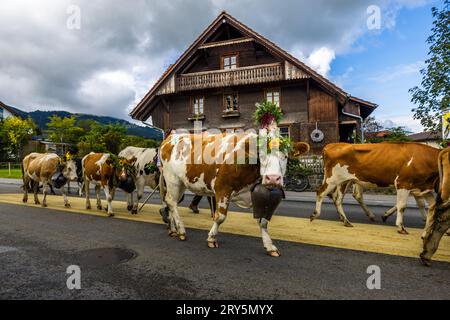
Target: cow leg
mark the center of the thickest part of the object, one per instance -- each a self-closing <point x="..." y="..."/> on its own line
<point x="421" y="204"/>
<point x="429" y="198"/>
<point x="176" y="225"/>
<point x="358" y="195"/>
<point x="35" y="185"/>
<point x="338" y="200"/>
<point x="86" y="190"/>
<point x="44" y="192"/>
<point x="97" y="195"/>
<point x="402" y="198"/>
<point x="140" y="187"/>
<point x="109" y="195"/>
<point x="389" y="213"/>
<point x="130" y="201"/>
<point x="219" y="217"/>
<point x="26" y="184"/>
<point x="267" y="241"/>
<point x="66" y="199"/>
<point x="431" y="241"/>
<point x="324" y="190"/>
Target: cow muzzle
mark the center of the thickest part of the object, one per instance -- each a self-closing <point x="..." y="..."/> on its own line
<point x="273" y="180"/>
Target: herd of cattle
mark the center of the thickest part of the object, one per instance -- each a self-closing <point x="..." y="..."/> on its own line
<point x="412" y="168"/>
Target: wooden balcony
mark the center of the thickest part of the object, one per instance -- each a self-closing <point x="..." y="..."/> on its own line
<point x="225" y="78"/>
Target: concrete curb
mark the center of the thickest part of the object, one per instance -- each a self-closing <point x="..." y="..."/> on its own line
<point x="382" y="201"/>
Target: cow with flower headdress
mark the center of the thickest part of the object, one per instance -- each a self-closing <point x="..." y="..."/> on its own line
<point x="246" y="168"/>
<point x="106" y="171"/>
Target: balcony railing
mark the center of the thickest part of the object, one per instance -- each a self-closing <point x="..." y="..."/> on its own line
<point x="225" y="78"/>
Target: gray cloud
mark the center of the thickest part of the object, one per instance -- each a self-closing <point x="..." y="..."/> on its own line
<point x="123" y="47"/>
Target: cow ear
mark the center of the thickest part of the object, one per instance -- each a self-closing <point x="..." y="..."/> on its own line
<point x="299" y="148"/>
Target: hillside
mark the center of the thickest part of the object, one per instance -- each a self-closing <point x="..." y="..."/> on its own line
<point x="41" y="119"/>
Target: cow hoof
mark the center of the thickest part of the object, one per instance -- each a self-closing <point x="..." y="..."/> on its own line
<point x="173" y="234"/>
<point x="426" y="262"/>
<point x="348" y="224"/>
<point x="274" y="253"/>
<point x="213" y="244"/>
<point x="384" y="218"/>
<point x="100" y="208"/>
<point x="129" y="208"/>
<point x="110" y="214"/>
<point x="88" y="207"/>
<point x="67" y="205"/>
<point x="105" y="208"/>
<point x="44" y="205"/>
<point x="182" y="237"/>
<point x="312" y="218"/>
<point x="134" y="211"/>
<point x="24" y="200"/>
<point x="403" y="231"/>
<point x="372" y="219"/>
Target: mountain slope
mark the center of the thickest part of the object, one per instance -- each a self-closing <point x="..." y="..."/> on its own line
<point x="41" y="119"/>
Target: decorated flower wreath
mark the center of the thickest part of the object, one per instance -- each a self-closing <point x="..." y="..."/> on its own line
<point x="266" y="114"/>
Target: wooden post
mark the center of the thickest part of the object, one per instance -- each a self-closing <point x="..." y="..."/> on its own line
<point x="9" y="169"/>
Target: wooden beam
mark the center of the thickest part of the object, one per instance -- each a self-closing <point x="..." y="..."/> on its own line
<point x="166" y="105"/>
<point x="225" y="43"/>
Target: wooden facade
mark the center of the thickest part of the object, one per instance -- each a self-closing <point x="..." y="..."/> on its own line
<point x="229" y="68"/>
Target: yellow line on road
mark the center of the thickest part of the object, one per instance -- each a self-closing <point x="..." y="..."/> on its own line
<point x="363" y="237"/>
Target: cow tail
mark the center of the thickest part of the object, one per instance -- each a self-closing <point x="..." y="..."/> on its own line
<point x="23" y="176"/>
<point x="441" y="174"/>
<point x="162" y="187"/>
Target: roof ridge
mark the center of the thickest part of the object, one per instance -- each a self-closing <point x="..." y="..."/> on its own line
<point x="325" y="82"/>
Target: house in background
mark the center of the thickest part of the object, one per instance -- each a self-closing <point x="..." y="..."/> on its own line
<point x="433" y="139"/>
<point x="8" y="111"/>
<point x="229" y="68"/>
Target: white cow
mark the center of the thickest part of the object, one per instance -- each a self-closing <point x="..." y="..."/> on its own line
<point x="144" y="157"/>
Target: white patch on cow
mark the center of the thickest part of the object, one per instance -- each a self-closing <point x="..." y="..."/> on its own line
<point x="410" y="161"/>
<point x="49" y="156"/>
<point x="199" y="186"/>
<point x="340" y="174"/>
<point x="396" y="181"/>
<point x="102" y="160"/>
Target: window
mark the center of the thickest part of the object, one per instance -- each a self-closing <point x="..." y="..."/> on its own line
<point x="197" y="105"/>
<point x="231" y="102"/>
<point x="229" y="62"/>
<point x="273" y="96"/>
<point x="1" y="113"/>
<point x="284" y="132"/>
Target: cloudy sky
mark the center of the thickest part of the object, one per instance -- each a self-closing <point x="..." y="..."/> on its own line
<point x="107" y="65"/>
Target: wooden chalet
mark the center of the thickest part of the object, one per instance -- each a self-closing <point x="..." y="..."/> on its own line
<point x="229" y="68"/>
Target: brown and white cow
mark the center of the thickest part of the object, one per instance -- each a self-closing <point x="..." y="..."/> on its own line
<point x="438" y="220"/>
<point x="100" y="169"/>
<point x="142" y="158"/>
<point x="409" y="167"/>
<point x="228" y="180"/>
<point x="358" y="195"/>
<point x="39" y="168"/>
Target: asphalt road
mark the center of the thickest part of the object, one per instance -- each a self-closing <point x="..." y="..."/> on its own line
<point x="37" y="245"/>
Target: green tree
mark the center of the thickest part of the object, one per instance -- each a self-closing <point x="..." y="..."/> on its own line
<point x="372" y="125"/>
<point x="432" y="97"/>
<point x="64" y="130"/>
<point x="102" y="138"/>
<point x="139" y="142"/>
<point x="14" y="134"/>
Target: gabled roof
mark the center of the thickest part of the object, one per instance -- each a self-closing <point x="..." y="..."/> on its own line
<point x="13" y="111"/>
<point x="139" y="111"/>
<point x="426" y="136"/>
